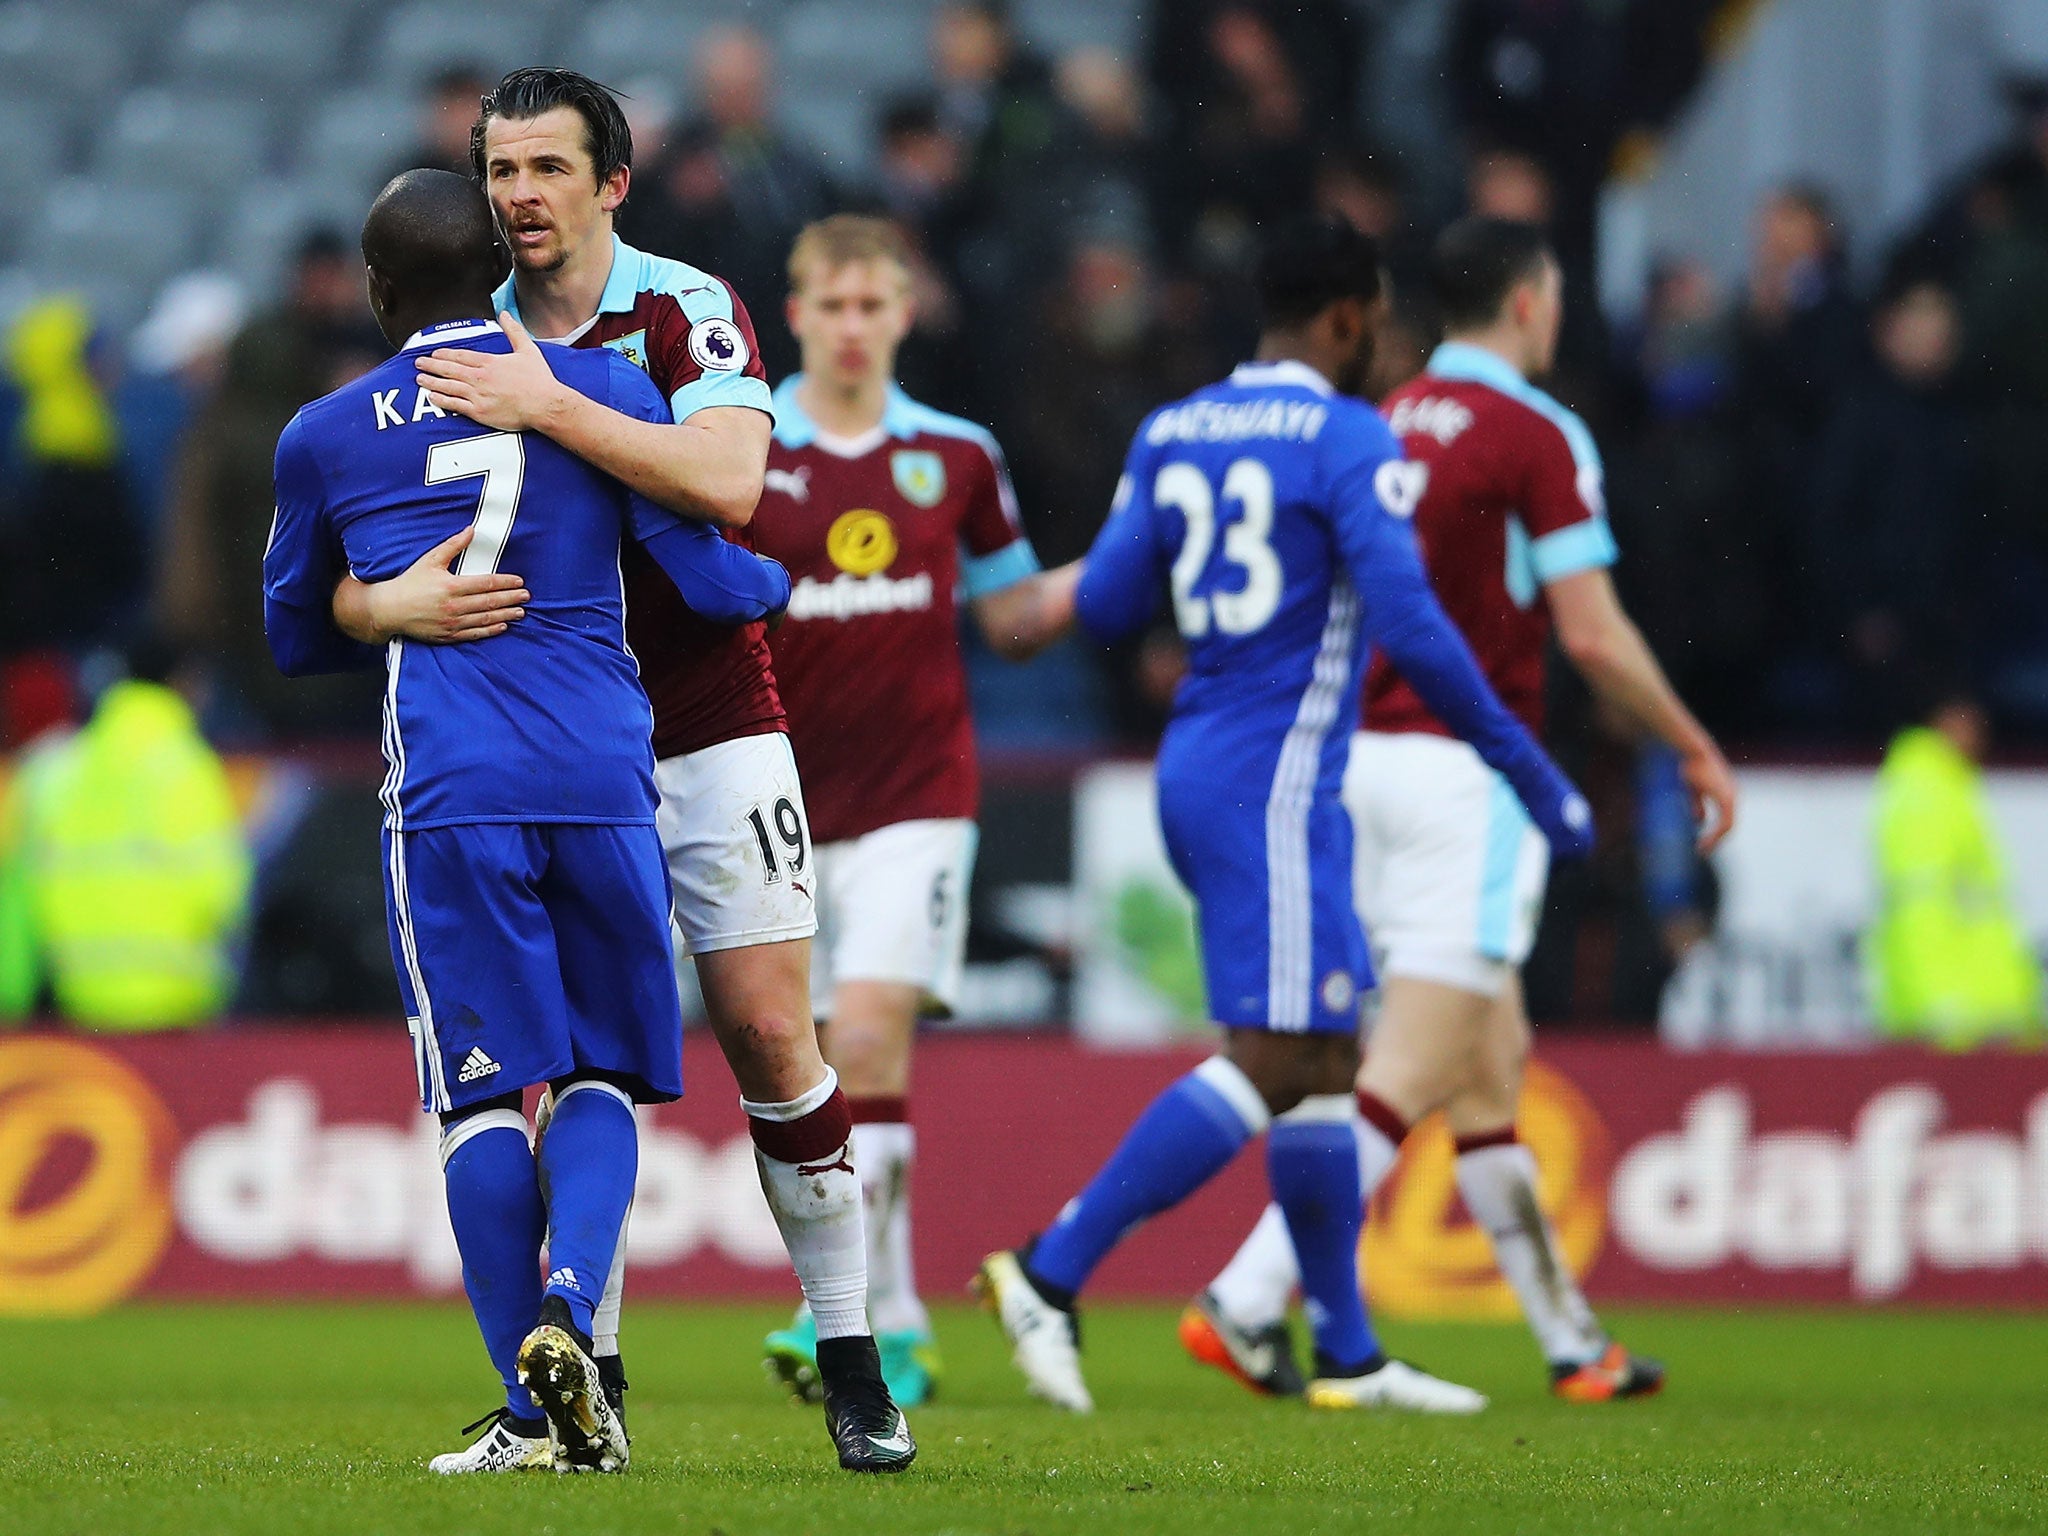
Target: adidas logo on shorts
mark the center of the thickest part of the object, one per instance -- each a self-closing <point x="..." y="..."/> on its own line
<point x="475" y="1065"/>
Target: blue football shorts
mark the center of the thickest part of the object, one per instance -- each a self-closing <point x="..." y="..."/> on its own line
<point x="529" y="951"/>
<point x="1270" y="872"/>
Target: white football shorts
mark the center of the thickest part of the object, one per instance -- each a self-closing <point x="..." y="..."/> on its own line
<point x="739" y="852"/>
<point x="892" y="906"/>
<point x="1450" y="870"/>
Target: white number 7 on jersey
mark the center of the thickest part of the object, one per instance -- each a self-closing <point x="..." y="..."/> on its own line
<point x="500" y="458"/>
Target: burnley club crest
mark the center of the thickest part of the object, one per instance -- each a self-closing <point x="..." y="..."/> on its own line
<point x="921" y="477"/>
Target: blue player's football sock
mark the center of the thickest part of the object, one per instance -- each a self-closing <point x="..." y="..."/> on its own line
<point x="1312" y="1162"/>
<point x="589" y="1159"/>
<point x="494" y="1205"/>
<point x="1182" y="1140"/>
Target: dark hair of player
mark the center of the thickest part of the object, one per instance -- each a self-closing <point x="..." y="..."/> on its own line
<point x="1478" y="262"/>
<point x="1308" y="266"/>
<point x="430" y="235"/>
<point x="527" y="93"/>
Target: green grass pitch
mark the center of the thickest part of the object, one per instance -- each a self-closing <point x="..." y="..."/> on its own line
<point x="304" y="1420"/>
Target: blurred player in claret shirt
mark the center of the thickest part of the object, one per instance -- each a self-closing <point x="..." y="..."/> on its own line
<point x="884" y="510"/>
<point x="1450" y="871"/>
<point x="553" y="151"/>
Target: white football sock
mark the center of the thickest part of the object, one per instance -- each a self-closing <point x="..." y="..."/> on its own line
<point x="816" y="1201"/>
<point x="883" y="1151"/>
<point x="604" y="1322"/>
<point x="1255" y="1285"/>
<point x="1499" y="1186"/>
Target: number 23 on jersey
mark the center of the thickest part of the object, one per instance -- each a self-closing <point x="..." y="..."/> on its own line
<point x="1247" y="547"/>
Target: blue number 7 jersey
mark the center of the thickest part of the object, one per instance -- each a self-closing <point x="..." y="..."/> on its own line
<point x="548" y="722"/>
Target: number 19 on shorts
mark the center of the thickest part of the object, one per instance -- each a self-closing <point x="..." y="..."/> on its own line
<point x="780" y="832"/>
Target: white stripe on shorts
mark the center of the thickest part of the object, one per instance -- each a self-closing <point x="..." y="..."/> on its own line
<point x="1290" y="913"/>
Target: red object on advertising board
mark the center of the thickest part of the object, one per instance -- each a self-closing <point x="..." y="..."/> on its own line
<point x="277" y="1163"/>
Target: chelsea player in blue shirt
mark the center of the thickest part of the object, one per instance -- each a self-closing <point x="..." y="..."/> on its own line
<point x="1274" y="508"/>
<point x="526" y="890"/>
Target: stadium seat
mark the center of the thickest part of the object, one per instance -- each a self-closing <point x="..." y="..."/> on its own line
<point x="420" y="39"/>
<point x="205" y="141"/>
<point x="838" y="47"/>
<point x="270" y="217"/>
<point x="1055" y="27"/>
<point x="18" y="290"/>
<point x="838" y="125"/>
<point x="355" y="138"/>
<point x="87" y="50"/>
<point x="36" y="151"/>
<point x="632" y="38"/>
<point x="2017" y="31"/>
<point x="233" y="44"/>
<point x="114" y="241"/>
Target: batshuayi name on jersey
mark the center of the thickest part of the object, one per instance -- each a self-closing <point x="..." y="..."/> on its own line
<point x="879" y="537"/>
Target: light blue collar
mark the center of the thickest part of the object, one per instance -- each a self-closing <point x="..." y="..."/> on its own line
<point x="1463" y="361"/>
<point x="795" y="429"/>
<point x="621" y="286"/>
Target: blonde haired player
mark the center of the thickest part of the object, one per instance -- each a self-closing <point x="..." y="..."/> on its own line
<point x="886" y="513"/>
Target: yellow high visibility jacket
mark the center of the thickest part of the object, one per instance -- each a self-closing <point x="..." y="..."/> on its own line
<point x="123" y="871"/>
<point x="1950" y="960"/>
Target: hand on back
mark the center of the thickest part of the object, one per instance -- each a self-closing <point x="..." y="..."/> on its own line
<point x="430" y="602"/>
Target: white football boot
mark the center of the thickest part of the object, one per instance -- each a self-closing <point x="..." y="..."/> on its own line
<point x="1043" y="1338"/>
<point x="499" y="1450"/>
<point x="1396" y="1385"/>
<point x="555" y="1366"/>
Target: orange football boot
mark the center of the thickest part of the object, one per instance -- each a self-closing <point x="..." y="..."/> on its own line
<point x="1615" y="1375"/>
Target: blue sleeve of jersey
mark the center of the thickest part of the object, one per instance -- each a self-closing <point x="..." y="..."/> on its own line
<point x="633" y="393"/>
<point x="300" y="569"/>
<point x="1371" y="499"/>
<point x="1119" y="591"/>
<point x="718" y="579"/>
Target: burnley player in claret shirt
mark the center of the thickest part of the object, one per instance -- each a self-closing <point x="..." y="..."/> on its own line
<point x="884" y="509"/>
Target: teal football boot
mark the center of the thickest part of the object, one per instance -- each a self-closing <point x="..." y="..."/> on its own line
<point x="910" y="1362"/>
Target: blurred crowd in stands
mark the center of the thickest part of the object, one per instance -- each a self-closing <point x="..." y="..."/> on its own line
<point x="1828" y="494"/>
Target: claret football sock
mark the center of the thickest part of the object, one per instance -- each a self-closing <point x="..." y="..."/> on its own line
<point x="589" y="1160"/>
<point x="804" y="1151"/>
<point x="1183" y="1139"/>
<point x="495" y="1208"/>
<point x="883" y="1145"/>
<point x="1312" y="1161"/>
<point x="1497" y="1177"/>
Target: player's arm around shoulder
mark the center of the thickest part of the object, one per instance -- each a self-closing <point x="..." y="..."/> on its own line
<point x="711" y="465"/>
